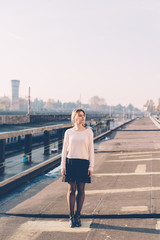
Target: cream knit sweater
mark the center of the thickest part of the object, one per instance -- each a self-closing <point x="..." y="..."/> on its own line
<point x="78" y="144"/>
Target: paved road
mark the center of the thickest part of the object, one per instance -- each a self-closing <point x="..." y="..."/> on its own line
<point x="121" y="203"/>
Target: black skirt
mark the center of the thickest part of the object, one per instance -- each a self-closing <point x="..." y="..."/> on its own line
<point x="77" y="171"/>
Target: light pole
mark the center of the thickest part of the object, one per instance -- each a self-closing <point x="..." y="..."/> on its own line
<point x="29" y="103"/>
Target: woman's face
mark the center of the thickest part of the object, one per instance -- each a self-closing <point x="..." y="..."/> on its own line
<point x="80" y="118"/>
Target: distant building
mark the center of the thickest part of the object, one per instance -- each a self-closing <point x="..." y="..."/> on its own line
<point x="15" y="94"/>
<point x="5" y="103"/>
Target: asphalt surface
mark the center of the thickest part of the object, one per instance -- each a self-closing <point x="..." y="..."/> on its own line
<point x="122" y="202"/>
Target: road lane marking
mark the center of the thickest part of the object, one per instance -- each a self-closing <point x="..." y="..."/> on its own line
<point x="123" y="190"/>
<point x="141" y="168"/>
<point x="133" y="153"/>
<point x="134" y="209"/>
<point x="157" y="146"/>
<point x="158" y="225"/>
<point x="131" y="156"/>
<point x="134" y="160"/>
<point x="125" y="174"/>
<point x="30" y="230"/>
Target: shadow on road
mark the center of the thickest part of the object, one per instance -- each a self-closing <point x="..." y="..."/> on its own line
<point x="128" y="229"/>
<point x="89" y="216"/>
<point x="97" y="225"/>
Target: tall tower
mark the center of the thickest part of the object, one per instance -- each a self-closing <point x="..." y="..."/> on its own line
<point x="15" y="94"/>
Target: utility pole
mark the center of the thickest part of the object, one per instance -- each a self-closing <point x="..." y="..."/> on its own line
<point x="123" y="113"/>
<point x="133" y="114"/>
<point x="29" y="103"/>
<point x="110" y="111"/>
<point x="80" y="103"/>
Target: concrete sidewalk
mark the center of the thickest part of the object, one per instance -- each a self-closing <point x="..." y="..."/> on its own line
<point x="121" y="203"/>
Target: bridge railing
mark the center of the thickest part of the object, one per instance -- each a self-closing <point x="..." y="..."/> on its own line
<point x="98" y="126"/>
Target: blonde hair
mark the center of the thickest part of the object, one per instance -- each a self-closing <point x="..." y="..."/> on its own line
<point x="74" y="112"/>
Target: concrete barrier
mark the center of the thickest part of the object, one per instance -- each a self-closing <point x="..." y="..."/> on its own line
<point x="20" y="119"/>
<point x="14" y="119"/>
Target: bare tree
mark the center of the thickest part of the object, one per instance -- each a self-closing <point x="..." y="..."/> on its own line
<point x="150" y="106"/>
<point x="5" y="103"/>
<point x="49" y="104"/>
<point x="158" y="107"/>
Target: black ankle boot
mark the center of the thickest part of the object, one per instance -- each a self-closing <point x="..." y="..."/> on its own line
<point x="77" y="219"/>
<point x="71" y="221"/>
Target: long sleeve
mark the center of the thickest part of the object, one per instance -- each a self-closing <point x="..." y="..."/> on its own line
<point x="64" y="150"/>
<point x="91" y="151"/>
<point x="78" y="144"/>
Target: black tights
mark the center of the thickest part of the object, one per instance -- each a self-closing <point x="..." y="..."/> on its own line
<point x="79" y="198"/>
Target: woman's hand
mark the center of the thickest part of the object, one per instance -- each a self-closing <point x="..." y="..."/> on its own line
<point x="63" y="171"/>
<point x="90" y="173"/>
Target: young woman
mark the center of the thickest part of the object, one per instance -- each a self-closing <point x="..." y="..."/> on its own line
<point x="77" y="163"/>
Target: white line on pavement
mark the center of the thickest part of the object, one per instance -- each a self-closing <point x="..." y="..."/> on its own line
<point x="157" y="145"/>
<point x="134" y="160"/>
<point x="141" y="168"/>
<point x="123" y="190"/>
<point x="133" y="153"/>
<point x="125" y="174"/>
<point x="158" y="225"/>
<point x="134" y="208"/>
<point x="131" y="156"/>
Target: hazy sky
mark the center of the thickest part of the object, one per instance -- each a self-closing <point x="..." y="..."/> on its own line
<point x="66" y="48"/>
